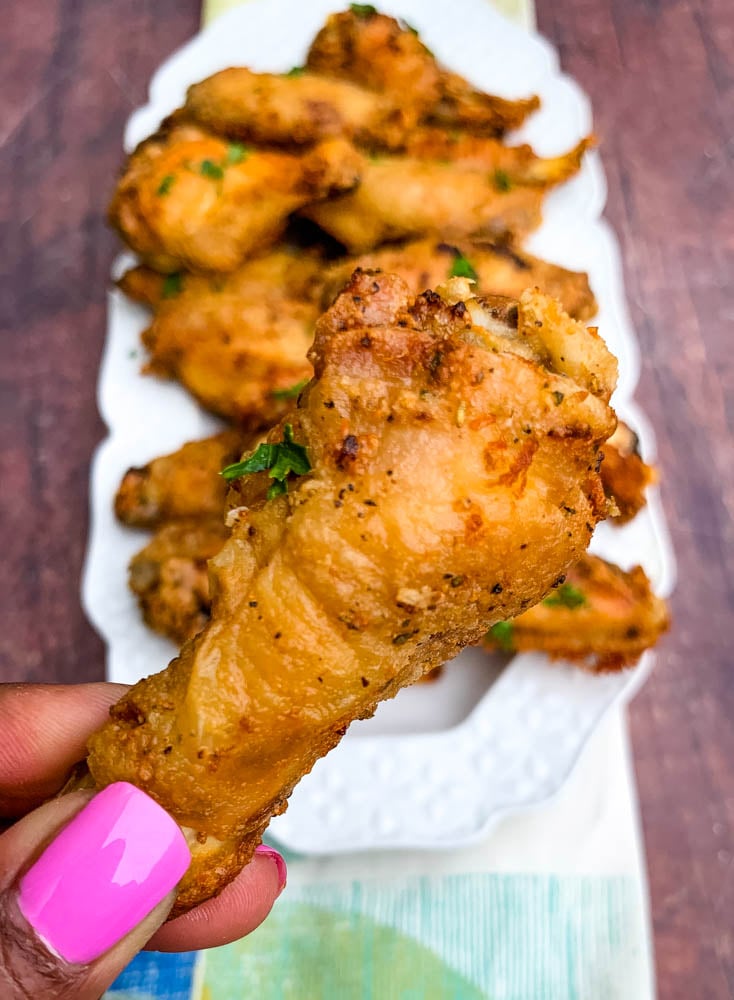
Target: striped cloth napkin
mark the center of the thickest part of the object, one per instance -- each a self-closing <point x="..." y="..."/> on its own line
<point x="551" y="906"/>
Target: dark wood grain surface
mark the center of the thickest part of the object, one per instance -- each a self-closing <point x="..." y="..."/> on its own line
<point x="661" y="76"/>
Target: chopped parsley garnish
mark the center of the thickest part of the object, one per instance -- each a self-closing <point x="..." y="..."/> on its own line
<point x="211" y="169"/>
<point x="362" y="9"/>
<point x="502" y="180"/>
<point x="558" y="398"/>
<point x="172" y="285"/>
<point x="291" y="392"/>
<point x="281" y="460"/>
<point x="461" y="268"/>
<point x="236" y="152"/>
<point x="501" y="633"/>
<point x="296" y="71"/>
<point x="165" y="185"/>
<point x="566" y="596"/>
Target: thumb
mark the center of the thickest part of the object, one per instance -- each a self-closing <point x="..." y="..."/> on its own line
<point x="84" y="882"/>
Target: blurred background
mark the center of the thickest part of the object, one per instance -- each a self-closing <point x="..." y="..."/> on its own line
<point x="661" y="80"/>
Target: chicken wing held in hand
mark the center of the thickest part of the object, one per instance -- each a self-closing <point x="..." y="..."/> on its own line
<point x="188" y="199"/>
<point x="436" y="476"/>
<point x="600" y="617"/>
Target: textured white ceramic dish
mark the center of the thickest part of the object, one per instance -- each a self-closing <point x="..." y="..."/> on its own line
<point x="441" y="763"/>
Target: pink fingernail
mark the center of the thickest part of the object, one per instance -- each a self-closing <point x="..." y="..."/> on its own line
<point x="270" y="852"/>
<point x="103" y="874"/>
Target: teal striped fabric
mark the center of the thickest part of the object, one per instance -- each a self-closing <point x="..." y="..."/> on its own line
<point x="461" y="937"/>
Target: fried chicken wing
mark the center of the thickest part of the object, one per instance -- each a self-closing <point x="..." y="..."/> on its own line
<point x="624" y="473"/>
<point x="187" y="199"/>
<point x="238" y="342"/>
<point x="400" y="197"/>
<point x="600" y="616"/>
<point x="380" y="53"/>
<point x="170" y="577"/>
<point x="183" y="485"/>
<point x="436" y="476"/>
<point x="294" y="109"/>
<point x="500" y="269"/>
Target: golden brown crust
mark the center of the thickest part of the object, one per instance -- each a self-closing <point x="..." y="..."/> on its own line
<point x="170" y="576"/>
<point x="500" y="268"/>
<point x="625" y="475"/>
<point x="187" y="199"/>
<point x="184" y="484"/>
<point x="600" y="617"/>
<point x="449" y="488"/>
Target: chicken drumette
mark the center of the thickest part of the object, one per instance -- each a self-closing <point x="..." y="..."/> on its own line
<point x="437" y="475"/>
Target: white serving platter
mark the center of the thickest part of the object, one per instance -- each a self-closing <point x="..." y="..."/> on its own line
<point x="439" y="765"/>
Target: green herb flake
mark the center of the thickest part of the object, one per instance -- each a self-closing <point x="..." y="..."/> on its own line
<point x="209" y="168"/>
<point x="281" y="460"/>
<point x="502" y="180"/>
<point x="362" y="9"/>
<point x="165" y="185"/>
<point x="291" y="392"/>
<point x="236" y="153"/>
<point x="501" y="634"/>
<point x="296" y="71"/>
<point x="172" y="285"/>
<point x="406" y="26"/>
<point x="566" y="596"/>
<point x="461" y="268"/>
<point x="558" y="398"/>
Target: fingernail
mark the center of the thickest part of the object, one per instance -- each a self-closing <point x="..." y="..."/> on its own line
<point x="270" y="852"/>
<point x="116" y="860"/>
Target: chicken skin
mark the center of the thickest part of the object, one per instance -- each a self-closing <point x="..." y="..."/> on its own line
<point x="625" y="475"/>
<point x="238" y="343"/>
<point x="381" y="54"/>
<point x="170" y="577"/>
<point x="436" y="476"/>
<point x="294" y="109"/>
<point x="183" y="485"/>
<point x="498" y="269"/>
<point x="600" y="617"/>
<point x="400" y="197"/>
<point x="188" y="199"/>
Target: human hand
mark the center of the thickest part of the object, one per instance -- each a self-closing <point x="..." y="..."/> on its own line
<point x="87" y="880"/>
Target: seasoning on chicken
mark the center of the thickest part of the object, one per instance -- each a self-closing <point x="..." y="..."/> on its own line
<point x="599" y="616"/>
<point x="436" y="476"/>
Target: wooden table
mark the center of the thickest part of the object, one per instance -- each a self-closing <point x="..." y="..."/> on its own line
<point x="662" y="81"/>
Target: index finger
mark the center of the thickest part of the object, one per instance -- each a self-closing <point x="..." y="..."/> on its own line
<point x="44" y="729"/>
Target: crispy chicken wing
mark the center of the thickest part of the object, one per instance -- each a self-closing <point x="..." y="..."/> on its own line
<point x="183" y="485"/>
<point x="294" y="109"/>
<point x="499" y="269"/>
<point x="170" y="577"/>
<point x="624" y="473"/>
<point x="187" y="199"/>
<point x="239" y="342"/>
<point x="406" y="196"/>
<point x="600" y="616"/>
<point x="380" y="53"/>
<point x="436" y="476"/>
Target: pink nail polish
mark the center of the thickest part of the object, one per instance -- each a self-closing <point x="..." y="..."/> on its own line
<point x="270" y="852"/>
<point x="103" y="874"/>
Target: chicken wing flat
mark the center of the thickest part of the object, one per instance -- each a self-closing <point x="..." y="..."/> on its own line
<point x="183" y="485"/>
<point x="170" y="577"/>
<point x="294" y="109"/>
<point x="188" y="199"/>
<point x="624" y="473"/>
<point x="387" y="56"/>
<point x="436" y="476"/>
<point x="498" y="269"/>
<point x="400" y="197"/>
<point x="600" y="616"/>
<point x="239" y="342"/>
